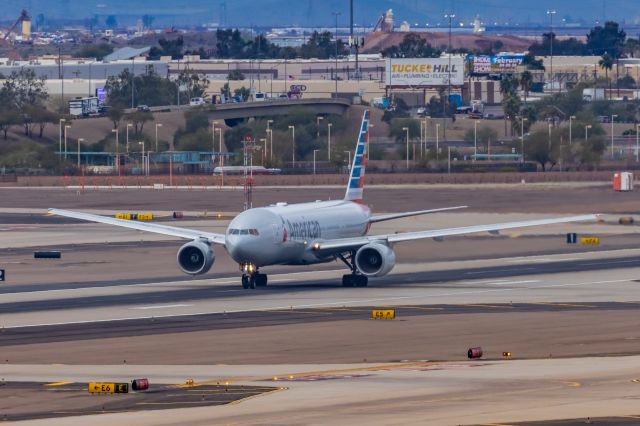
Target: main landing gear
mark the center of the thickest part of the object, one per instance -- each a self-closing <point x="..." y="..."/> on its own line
<point x="251" y="278"/>
<point x="355" y="278"/>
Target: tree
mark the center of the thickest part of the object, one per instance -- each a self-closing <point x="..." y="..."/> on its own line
<point x="41" y="116"/>
<point x="322" y="46"/>
<point x="540" y="150"/>
<point x="412" y="46"/>
<point x="483" y="136"/>
<point x="526" y="80"/>
<point x="626" y="82"/>
<point x="398" y="124"/>
<point x="138" y="119"/>
<point x="168" y="47"/>
<point x="97" y="51"/>
<point x="531" y="63"/>
<point x="235" y="75"/>
<point x="23" y="88"/>
<point x="192" y="85"/>
<point x="606" y="62"/>
<point x="115" y="114"/>
<point x="111" y="22"/>
<point x="8" y="118"/>
<point x="609" y="38"/>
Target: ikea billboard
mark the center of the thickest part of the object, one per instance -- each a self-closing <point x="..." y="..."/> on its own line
<point x="419" y="72"/>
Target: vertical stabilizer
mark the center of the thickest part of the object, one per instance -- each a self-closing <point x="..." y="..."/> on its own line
<point x="355" y="186"/>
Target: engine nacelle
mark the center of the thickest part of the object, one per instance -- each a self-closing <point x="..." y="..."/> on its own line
<point x="375" y="260"/>
<point x="196" y="257"/>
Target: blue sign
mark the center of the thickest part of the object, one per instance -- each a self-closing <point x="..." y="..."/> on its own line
<point x="101" y="94"/>
<point x="500" y="64"/>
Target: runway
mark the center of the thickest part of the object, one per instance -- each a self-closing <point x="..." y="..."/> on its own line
<point x="116" y="307"/>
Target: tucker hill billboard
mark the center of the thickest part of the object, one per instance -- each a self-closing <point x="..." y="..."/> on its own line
<point x="418" y="72"/>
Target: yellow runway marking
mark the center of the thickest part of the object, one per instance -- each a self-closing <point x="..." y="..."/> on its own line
<point x="58" y="384"/>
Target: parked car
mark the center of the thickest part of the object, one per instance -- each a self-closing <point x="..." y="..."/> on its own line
<point x="196" y="102"/>
<point x="144" y="108"/>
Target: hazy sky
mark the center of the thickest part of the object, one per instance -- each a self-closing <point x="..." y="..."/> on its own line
<point x="318" y="12"/>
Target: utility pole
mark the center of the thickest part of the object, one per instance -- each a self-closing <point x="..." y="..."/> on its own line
<point x="551" y="12"/>
<point x="335" y="73"/>
<point x="450" y="16"/>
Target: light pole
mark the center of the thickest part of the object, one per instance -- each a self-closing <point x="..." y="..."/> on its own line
<point x="264" y="152"/>
<point x="62" y="120"/>
<point x="549" y="135"/>
<point x="586" y="132"/>
<point x="314" y="160"/>
<point x="637" y="140"/>
<point x="66" y="130"/>
<point x="475" y="140"/>
<point x="522" y="120"/>
<point x="551" y="12"/>
<point x="335" y="74"/>
<point x="117" y="150"/>
<point x="213" y="139"/>
<point x="318" y="120"/>
<point x="157" y="125"/>
<point x="437" y="141"/>
<point x="79" y="140"/>
<point x="143" y="161"/>
<point x="329" y="141"/>
<point x="406" y="129"/>
<point x="349" y="163"/>
<point x="219" y="130"/>
<point x="270" y="133"/>
<point x="450" y="16"/>
<point x="612" y="118"/>
<point x="127" y="141"/>
<point x="573" y="117"/>
<point x="293" y="144"/>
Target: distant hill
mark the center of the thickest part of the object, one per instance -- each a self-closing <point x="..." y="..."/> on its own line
<point x="319" y="12"/>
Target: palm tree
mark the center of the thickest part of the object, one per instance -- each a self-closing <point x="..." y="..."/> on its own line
<point x="526" y="80"/>
<point x="606" y="62"/>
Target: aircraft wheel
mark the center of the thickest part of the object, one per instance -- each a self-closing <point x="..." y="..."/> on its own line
<point x="361" y="280"/>
<point x="252" y="281"/>
<point x="347" y="280"/>
<point x="245" y="282"/>
<point x="261" y="280"/>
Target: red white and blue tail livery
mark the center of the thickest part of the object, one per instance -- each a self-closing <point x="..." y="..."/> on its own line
<point x="356" y="178"/>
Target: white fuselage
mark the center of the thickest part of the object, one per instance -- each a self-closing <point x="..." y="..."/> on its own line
<point x="283" y="234"/>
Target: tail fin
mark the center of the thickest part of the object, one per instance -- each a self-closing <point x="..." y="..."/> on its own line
<point x="355" y="186"/>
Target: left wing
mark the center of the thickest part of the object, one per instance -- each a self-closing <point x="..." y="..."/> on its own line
<point x="174" y="231"/>
<point x="344" y="244"/>
<point x="391" y="216"/>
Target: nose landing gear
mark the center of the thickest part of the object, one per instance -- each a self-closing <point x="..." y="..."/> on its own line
<point x="251" y="278"/>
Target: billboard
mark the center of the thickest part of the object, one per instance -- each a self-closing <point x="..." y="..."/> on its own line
<point x="501" y="64"/>
<point x="419" y="72"/>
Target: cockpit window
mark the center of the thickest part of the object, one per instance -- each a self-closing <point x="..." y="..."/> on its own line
<point x="252" y="231"/>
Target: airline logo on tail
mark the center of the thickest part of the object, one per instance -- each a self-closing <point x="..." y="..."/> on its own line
<point x="356" y="179"/>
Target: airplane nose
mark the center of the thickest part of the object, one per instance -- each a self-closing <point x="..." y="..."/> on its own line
<point x="241" y="249"/>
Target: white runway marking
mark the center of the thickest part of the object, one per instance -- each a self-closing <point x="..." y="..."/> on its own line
<point x="180" y="305"/>
<point x="610" y="262"/>
<point x="493" y="271"/>
<point x="513" y="282"/>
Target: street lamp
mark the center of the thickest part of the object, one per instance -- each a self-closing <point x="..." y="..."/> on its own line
<point x="314" y="160"/>
<point x="270" y="132"/>
<point x="637" y="140"/>
<point x="127" y="146"/>
<point x="62" y="120"/>
<point x="79" y="140"/>
<point x="437" y="141"/>
<point x="551" y="13"/>
<point x="522" y="120"/>
<point x="66" y="130"/>
<point x="329" y="141"/>
<point x="264" y="152"/>
<point x="349" y="163"/>
<point x="318" y="120"/>
<point x="450" y="16"/>
<point x="612" y="117"/>
<point x="586" y="132"/>
<point x="117" y="150"/>
<point x="143" y="162"/>
<point x="157" y="125"/>
<point x="550" y="125"/>
<point x="573" y="117"/>
<point x="475" y="140"/>
<point x="406" y="129"/>
<point x="293" y="144"/>
<point x="335" y="74"/>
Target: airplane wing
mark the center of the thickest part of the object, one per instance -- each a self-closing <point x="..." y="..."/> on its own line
<point x="344" y="244"/>
<point x="391" y="216"/>
<point x="174" y="231"/>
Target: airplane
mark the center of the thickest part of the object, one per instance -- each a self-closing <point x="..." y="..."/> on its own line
<point x="308" y="233"/>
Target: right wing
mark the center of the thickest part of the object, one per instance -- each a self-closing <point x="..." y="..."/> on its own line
<point x="174" y="231"/>
<point x="344" y="244"/>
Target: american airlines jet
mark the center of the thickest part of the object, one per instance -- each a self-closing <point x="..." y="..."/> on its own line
<point x="308" y="233"/>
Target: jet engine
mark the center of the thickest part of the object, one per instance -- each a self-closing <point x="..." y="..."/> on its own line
<point x="375" y="260"/>
<point x="196" y="257"/>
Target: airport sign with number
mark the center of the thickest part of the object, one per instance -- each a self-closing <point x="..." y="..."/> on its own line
<point x="383" y="313"/>
<point x="590" y="241"/>
<point x="108" y="387"/>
